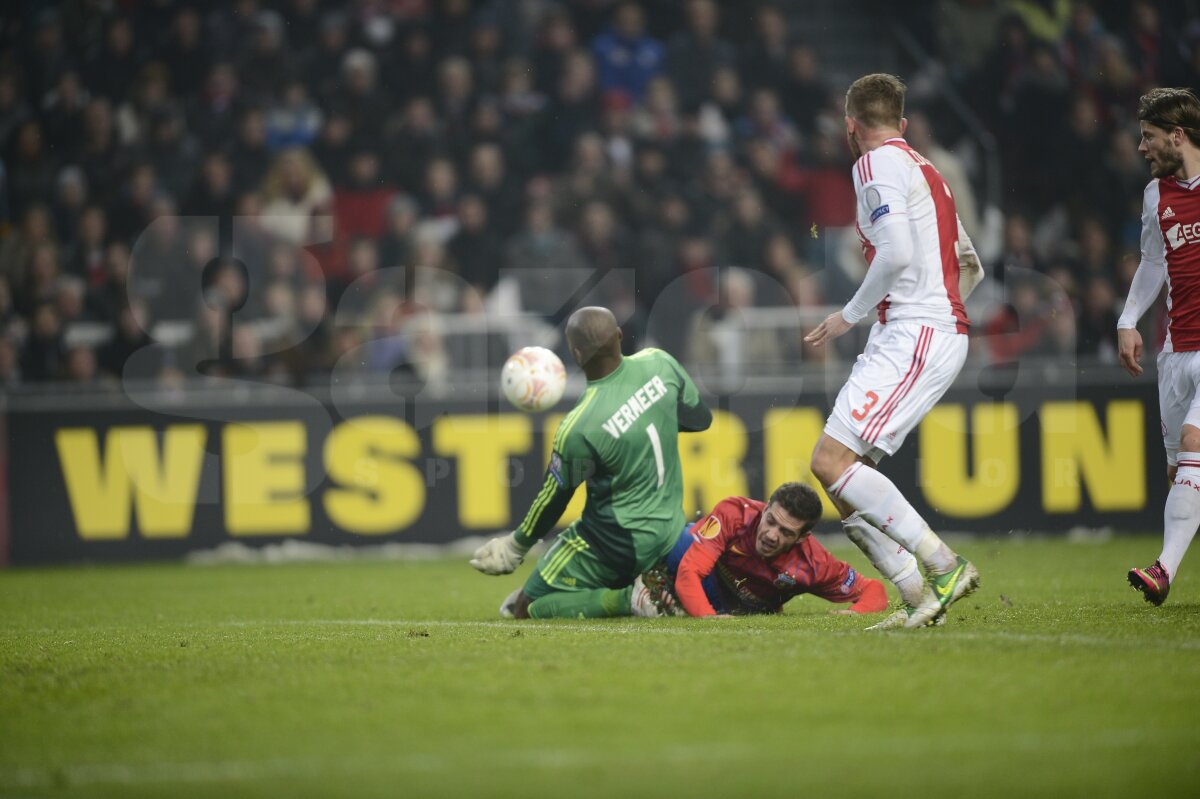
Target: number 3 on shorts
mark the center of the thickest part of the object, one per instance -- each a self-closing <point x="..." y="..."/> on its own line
<point x="861" y="414"/>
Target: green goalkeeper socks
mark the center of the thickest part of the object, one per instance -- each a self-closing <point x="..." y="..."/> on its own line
<point x="598" y="603"/>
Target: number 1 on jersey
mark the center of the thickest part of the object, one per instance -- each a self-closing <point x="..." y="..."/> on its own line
<point x="658" y="456"/>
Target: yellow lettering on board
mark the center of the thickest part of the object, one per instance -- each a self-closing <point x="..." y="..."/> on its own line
<point x="712" y="463"/>
<point x="789" y="435"/>
<point x="483" y="444"/>
<point x="381" y="490"/>
<point x="1076" y="452"/>
<point x="103" y="491"/>
<point x="264" y="478"/>
<point x="988" y="484"/>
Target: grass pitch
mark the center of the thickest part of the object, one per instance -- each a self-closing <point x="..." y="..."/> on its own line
<point x="396" y="679"/>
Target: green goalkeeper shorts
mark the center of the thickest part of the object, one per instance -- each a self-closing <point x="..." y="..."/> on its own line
<point x="570" y="565"/>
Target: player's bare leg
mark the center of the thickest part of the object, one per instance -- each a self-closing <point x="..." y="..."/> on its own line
<point x="880" y="503"/>
<point x="1181" y="517"/>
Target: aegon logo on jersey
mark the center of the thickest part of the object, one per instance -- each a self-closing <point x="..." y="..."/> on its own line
<point x="1180" y="234"/>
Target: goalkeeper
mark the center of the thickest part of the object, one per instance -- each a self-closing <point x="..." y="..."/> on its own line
<point x="621" y="439"/>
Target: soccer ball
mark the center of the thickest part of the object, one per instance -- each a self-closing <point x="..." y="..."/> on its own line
<point x="533" y="379"/>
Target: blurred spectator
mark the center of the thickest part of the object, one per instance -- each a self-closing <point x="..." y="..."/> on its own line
<point x="31" y="169"/>
<point x="920" y="135"/>
<point x="10" y="362"/>
<point x="574" y="109"/>
<point x="267" y="64"/>
<point x="295" y="193"/>
<point x="413" y="142"/>
<point x="185" y="52"/>
<point x="111" y="73"/>
<point x="322" y="66"/>
<point x="1155" y="53"/>
<point x="212" y="194"/>
<point x="744" y="241"/>
<point x="80" y="367"/>
<point x="415" y="63"/>
<point x="70" y="300"/>
<point x="16" y="250"/>
<point x="130" y="334"/>
<point x="966" y="31"/>
<point x="41" y="279"/>
<point x="250" y="155"/>
<point x="85" y="257"/>
<point x="43" y="353"/>
<point x="658" y="118"/>
<point x="1047" y="20"/>
<point x="212" y="113"/>
<point x="489" y="178"/>
<point x="15" y="110"/>
<point x="765" y="61"/>
<point x="474" y="249"/>
<point x="1097" y="323"/>
<point x="694" y="54"/>
<point x="549" y="262"/>
<point x="627" y="58"/>
<point x="295" y="120"/>
<point x="359" y="206"/>
<point x="722" y="340"/>
<point x="62" y="111"/>
<point x="70" y="198"/>
<point x="360" y="97"/>
<point x="556" y="40"/>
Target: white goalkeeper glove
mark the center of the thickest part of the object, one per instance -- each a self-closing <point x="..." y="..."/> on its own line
<point x="500" y="555"/>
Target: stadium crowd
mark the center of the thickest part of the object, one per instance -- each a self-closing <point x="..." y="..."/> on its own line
<point x="342" y="177"/>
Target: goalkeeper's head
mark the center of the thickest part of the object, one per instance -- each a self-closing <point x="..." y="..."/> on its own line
<point x="595" y="340"/>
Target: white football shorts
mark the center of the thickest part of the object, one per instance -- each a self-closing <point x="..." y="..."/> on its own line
<point x="903" y="371"/>
<point x="1178" y="399"/>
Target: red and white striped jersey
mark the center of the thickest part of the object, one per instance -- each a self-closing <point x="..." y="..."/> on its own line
<point x="1171" y="240"/>
<point x="892" y="180"/>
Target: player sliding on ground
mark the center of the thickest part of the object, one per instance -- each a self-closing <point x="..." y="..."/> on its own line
<point x="921" y="266"/>
<point x="621" y="438"/>
<point x="749" y="556"/>
<point x="1170" y="122"/>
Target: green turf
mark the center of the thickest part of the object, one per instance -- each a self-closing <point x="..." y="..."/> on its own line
<point x="395" y="679"/>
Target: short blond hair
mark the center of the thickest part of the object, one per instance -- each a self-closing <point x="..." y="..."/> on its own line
<point x="876" y="100"/>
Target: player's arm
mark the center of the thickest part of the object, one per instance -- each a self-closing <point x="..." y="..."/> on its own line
<point x="571" y="463"/>
<point x="1147" y="283"/>
<point x="884" y="204"/>
<point x="693" y="414"/>
<point x="700" y="560"/>
<point x="970" y="268"/>
<point x="840" y="583"/>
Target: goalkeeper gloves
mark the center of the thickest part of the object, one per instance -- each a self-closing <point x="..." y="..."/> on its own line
<point x="500" y="555"/>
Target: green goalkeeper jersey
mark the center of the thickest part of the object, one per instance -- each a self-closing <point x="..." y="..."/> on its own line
<point x="621" y="438"/>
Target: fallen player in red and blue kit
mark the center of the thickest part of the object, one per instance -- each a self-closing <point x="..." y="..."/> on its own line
<point x="749" y="556"/>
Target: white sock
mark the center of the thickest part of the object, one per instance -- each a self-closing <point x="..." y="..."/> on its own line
<point x="893" y="561"/>
<point x="877" y="500"/>
<point x="1182" y="514"/>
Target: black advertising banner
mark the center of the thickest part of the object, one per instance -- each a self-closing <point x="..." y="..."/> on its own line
<point x="128" y="484"/>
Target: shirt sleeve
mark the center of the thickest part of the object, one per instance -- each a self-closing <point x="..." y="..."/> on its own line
<point x="693" y="414"/>
<point x="1152" y="271"/>
<point x="881" y="186"/>
<point x="571" y="462"/>
<point x="711" y="537"/>
<point x="838" y="582"/>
